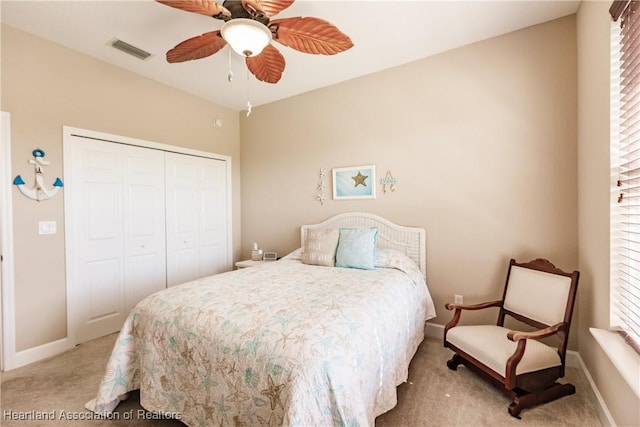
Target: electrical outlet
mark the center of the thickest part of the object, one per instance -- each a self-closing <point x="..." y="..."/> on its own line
<point x="457" y="299"/>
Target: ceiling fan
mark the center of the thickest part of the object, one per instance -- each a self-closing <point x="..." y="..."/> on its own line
<point x="249" y="30"/>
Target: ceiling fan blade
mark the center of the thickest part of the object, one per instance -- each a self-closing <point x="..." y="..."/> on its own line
<point x="203" y="7"/>
<point x="310" y="35"/>
<point x="197" y="47"/>
<point x="266" y="8"/>
<point x="268" y="66"/>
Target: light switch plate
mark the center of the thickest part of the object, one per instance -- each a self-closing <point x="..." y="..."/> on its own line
<point x="47" y="227"/>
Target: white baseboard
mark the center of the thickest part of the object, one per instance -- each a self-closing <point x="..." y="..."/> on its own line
<point x="434" y="330"/>
<point x="35" y="354"/>
<point x="603" y="411"/>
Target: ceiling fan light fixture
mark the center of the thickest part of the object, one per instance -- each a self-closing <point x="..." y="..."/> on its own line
<point x="246" y="36"/>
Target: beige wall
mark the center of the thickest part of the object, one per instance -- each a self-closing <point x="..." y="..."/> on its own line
<point x="46" y="86"/>
<point x="482" y="140"/>
<point x="593" y="29"/>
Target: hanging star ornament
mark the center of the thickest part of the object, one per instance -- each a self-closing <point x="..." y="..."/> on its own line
<point x="320" y="188"/>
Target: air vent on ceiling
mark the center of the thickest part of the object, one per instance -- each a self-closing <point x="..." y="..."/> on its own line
<point x="130" y="49"/>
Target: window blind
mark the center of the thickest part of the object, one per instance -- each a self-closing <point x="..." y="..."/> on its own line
<point x="625" y="163"/>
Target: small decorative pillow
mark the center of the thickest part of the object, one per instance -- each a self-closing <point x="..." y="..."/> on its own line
<point x="357" y="248"/>
<point x="320" y="247"/>
<point x="391" y="258"/>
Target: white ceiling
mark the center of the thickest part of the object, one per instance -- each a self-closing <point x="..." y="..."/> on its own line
<point x="385" y="34"/>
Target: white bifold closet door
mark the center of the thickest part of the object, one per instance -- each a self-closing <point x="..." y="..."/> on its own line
<point x="196" y="217"/>
<point x="139" y="219"/>
<point x="119" y="232"/>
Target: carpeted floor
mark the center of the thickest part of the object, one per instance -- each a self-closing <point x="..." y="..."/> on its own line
<point x="433" y="395"/>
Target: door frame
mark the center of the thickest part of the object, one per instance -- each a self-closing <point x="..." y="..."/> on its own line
<point x="72" y="132"/>
<point x="11" y="358"/>
<point x="7" y="322"/>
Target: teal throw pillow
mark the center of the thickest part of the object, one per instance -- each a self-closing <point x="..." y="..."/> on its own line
<point x="357" y="248"/>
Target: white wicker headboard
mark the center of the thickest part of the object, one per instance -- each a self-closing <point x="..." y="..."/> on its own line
<point x="409" y="240"/>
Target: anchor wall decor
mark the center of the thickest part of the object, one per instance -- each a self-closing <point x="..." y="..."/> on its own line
<point x="38" y="192"/>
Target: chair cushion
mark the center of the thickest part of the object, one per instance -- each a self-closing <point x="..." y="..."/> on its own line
<point x="489" y="345"/>
<point x="537" y="295"/>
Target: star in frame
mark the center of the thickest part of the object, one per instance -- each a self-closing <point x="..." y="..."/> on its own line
<point x="360" y="179"/>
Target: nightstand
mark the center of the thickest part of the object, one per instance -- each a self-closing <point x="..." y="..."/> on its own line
<point x="248" y="263"/>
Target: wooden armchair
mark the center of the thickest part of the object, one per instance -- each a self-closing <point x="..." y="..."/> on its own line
<point x="524" y="368"/>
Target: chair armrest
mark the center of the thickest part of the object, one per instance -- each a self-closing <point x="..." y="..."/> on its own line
<point x="458" y="311"/>
<point x="521" y="339"/>
<point x="548" y="331"/>
<point x="480" y="306"/>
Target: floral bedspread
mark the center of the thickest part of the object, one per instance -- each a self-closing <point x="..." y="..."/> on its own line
<point x="283" y="343"/>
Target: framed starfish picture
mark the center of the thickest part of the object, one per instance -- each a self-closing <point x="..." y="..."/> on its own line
<point x="356" y="182"/>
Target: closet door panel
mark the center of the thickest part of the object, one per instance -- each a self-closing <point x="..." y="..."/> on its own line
<point x="101" y="277"/>
<point x="213" y="217"/>
<point x="144" y="224"/>
<point x="117" y="198"/>
<point x="181" y="189"/>
<point x="98" y="291"/>
<point x="196" y="217"/>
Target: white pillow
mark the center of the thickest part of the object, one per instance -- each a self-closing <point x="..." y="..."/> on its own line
<point x="320" y="247"/>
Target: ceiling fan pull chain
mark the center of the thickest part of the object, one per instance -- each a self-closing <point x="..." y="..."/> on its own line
<point x="230" y="74"/>
<point x="248" y="102"/>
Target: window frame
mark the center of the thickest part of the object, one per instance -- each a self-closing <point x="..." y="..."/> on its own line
<point x="624" y="303"/>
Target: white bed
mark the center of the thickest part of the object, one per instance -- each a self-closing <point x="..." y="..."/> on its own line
<point x="285" y="343"/>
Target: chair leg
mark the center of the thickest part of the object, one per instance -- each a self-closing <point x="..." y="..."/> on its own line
<point x="454" y="362"/>
<point x="554" y="392"/>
